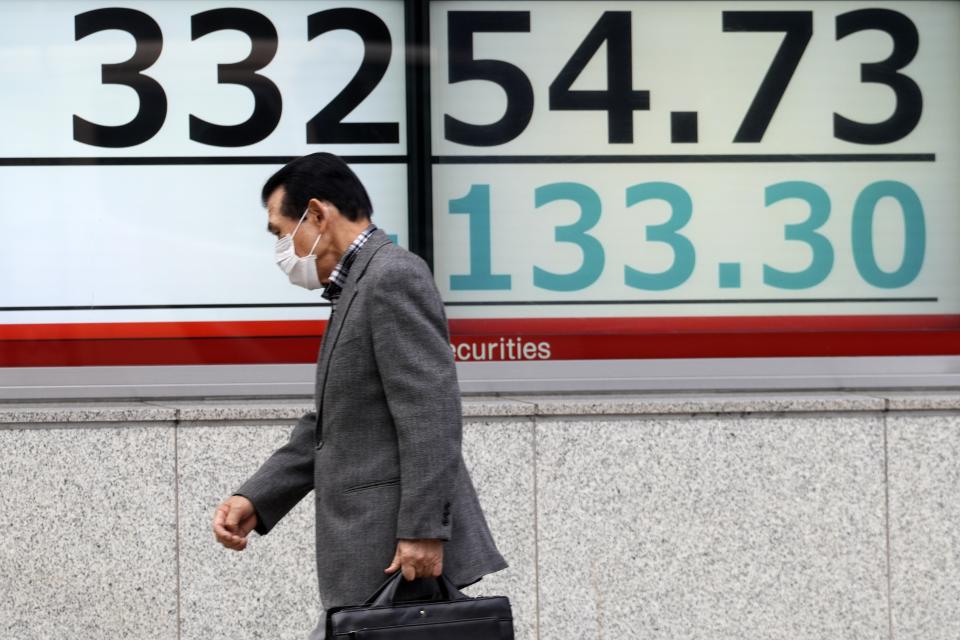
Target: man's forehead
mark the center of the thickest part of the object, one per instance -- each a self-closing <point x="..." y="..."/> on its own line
<point x="275" y="219"/>
<point x="275" y="200"/>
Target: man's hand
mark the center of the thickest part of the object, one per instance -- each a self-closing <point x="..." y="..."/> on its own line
<point x="232" y="521"/>
<point x="418" y="559"/>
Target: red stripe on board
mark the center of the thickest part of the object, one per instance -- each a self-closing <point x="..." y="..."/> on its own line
<point x="492" y="327"/>
<point x="149" y="351"/>
<point x="594" y="326"/>
<point x="126" y="330"/>
<point x="706" y="345"/>
<point x="528" y="346"/>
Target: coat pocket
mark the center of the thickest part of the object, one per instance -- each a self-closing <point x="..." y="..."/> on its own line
<point x="372" y="485"/>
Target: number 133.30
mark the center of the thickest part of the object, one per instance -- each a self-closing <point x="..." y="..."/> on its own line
<point x="483" y="277"/>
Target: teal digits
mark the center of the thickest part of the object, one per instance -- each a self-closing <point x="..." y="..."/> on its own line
<point x="684" y="255"/>
<point x="915" y="234"/>
<point x="476" y="204"/>
<point x="576" y="233"/>
<point x="822" y="261"/>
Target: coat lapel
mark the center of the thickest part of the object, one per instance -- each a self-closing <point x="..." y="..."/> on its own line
<point x="377" y="240"/>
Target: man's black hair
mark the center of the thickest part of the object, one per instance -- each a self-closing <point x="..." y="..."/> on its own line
<point x="323" y="176"/>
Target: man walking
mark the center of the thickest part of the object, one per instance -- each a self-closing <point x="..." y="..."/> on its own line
<point x="382" y="451"/>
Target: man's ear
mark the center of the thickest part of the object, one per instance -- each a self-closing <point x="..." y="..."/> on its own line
<point x="318" y="211"/>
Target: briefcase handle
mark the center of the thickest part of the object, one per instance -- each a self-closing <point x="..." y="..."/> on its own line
<point x="386" y="593"/>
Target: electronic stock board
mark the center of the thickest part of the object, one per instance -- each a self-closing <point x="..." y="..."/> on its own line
<point x="591" y="181"/>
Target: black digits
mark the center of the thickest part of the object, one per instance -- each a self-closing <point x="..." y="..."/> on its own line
<point x="461" y="25"/>
<point x="267" y="100"/>
<point x="328" y="126"/>
<point x="620" y="99"/>
<point x="909" y="107"/>
<point x="153" y="101"/>
<point x="797" y="27"/>
<point x="613" y="30"/>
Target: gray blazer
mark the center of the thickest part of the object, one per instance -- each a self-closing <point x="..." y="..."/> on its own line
<point x="382" y="452"/>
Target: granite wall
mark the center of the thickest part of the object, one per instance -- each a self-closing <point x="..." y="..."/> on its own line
<point x="707" y="516"/>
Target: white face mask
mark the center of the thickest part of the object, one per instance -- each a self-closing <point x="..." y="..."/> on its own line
<point x="301" y="271"/>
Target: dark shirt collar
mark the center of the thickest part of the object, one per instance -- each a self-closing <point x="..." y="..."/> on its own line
<point x="338" y="279"/>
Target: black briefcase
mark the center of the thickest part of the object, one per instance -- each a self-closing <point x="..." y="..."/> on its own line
<point x="454" y="617"/>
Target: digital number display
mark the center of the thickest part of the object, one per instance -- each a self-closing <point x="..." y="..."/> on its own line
<point x="326" y="127"/>
<point x="135" y="138"/>
<point x="476" y="204"/>
<point x="591" y="180"/>
<point x="642" y="67"/>
<point x="175" y="78"/>
<point x="770" y="161"/>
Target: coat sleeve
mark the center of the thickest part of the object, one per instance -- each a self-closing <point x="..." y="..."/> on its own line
<point x="412" y="350"/>
<point x="286" y="476"/>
